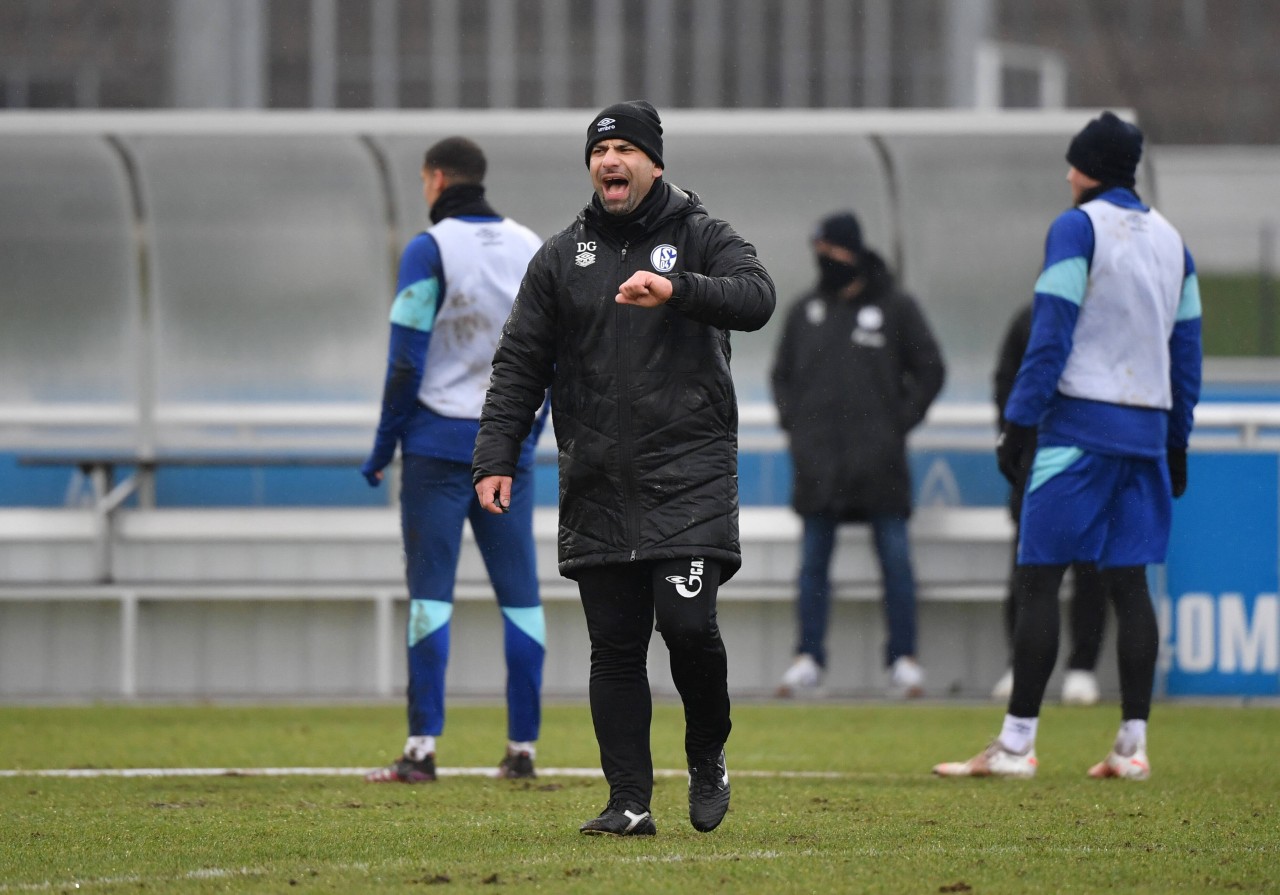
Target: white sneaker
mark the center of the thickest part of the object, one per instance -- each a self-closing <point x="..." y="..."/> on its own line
<point x="1126" y="767"/>
<point x="907" y="677"/>
<point x="1079" y="688"/>
<point x="802" y="678"/>
<point x="993" y="761"/>
<point x="1003" y="688"/>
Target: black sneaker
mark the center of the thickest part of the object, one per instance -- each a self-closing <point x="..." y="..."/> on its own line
<point x="516" y="766"/>
<point x="621" y="819"/>
<point x="405" y="770"/>
<point x="708" y="792"/>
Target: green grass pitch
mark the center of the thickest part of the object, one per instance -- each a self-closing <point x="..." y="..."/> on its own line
<point x="1207" y="821"/>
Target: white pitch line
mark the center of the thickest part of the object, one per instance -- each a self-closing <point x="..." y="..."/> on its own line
<point x="360" y="772"/>
<point x="203" y="873"/>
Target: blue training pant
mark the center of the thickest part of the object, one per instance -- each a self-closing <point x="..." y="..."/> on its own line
<point x="1087" y="507"/>
<point x="436" y="497"/>
<point x="813" y="608"/>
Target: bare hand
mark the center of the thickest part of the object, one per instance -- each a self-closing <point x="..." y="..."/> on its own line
<point x="644" y="289"/>
<point x="494" y="492"/>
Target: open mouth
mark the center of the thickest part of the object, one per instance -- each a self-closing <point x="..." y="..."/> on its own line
<point x="615" y="187"/>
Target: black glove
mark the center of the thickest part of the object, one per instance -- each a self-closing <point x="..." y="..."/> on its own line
<point x="1178" y="471"/>
<point x="1014" y="450"/>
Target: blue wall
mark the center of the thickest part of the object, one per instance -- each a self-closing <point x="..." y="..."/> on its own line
<point x="952" y="477"/>
<point x="1220" y="613"/>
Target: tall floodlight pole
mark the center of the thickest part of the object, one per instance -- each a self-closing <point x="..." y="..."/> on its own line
<point x="219" y="57"/>
<point x="324" y="54"/>
<point x="969" y="22"/>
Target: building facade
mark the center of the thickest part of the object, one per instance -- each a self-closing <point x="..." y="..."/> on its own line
<point x="1196" y="71"/>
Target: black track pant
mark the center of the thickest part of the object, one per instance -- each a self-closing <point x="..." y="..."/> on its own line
<point x="1086" y="612"/>
<point x="1035" y="637"/>
<point x="620" y="603"/>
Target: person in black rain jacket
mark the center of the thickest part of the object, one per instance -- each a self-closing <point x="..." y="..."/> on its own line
<point x="856" y="370"/>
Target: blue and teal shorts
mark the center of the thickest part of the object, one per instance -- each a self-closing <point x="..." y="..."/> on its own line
<point x="1087" y="507"/>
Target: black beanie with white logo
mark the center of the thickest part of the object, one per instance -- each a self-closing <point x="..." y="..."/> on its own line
<point x="635" y="121"/>
<point x="1108" y="150"/>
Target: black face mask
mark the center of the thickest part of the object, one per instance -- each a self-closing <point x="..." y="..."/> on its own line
<point x="834" y="276"/>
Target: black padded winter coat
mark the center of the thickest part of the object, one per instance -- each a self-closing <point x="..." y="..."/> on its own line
<point x="852" y="378"/>
<point x="643" y="405"/>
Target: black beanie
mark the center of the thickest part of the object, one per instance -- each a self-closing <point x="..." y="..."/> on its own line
<point x="1108" y="150"/>
<point x="635" y="121"/>
<point x="841" y="229"/>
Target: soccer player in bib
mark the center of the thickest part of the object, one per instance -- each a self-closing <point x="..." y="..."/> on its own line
<point x="456" y="286"/>
<point x="1111" y="377"/>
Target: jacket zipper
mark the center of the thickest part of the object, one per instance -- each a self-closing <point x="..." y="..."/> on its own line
<point x="624" y="416"/>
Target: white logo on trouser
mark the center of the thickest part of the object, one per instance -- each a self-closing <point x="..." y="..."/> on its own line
<point x="692" y="586"/>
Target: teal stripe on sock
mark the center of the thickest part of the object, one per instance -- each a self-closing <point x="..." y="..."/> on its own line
<point x="532" y="621"/>
<point x="1049" y="462"/>
<point x="426" y="617"/>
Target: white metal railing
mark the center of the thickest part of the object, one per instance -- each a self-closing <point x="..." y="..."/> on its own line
<point x="59" y="414"/>
<point x="1219" y="425"/>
